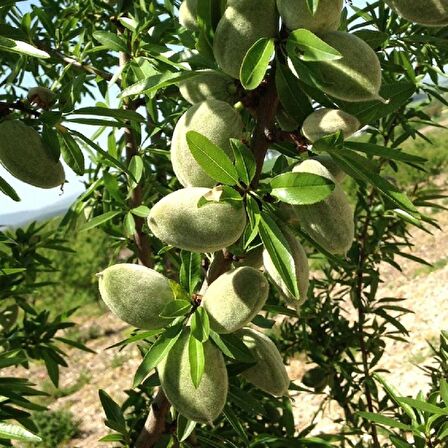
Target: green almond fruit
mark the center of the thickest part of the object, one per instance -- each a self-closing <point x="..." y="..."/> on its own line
<point x="424" y="12"/>
<point x="253" y="258"/>
<point x="136" y="294"/>
<point x="326" y="121"/>
<point x="296" y="14"/>
<point x="216" y="120"/>
<point x="269" y="373"/>
<point x="328" y="162"/>
<point x="235" y="298"/>
<point x="187" y="14"/>
<point x="208" y="84"/>
<point x="178" y="221"/>
<point x="205" y="403"/>
<point x="242" y="24"/>
<point x="23" y="154"/>
<point x="329" y="222"/>
<point x="41" y="96"/>
<point x="354" y="77"/>
<point x="301" y="268"/>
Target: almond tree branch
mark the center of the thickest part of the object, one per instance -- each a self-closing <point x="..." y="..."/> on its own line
<point x="222" y="262"/>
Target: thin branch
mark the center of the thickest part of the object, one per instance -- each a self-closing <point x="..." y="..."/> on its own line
<point x="261" y="139"/>
<point x="83" y="66"/>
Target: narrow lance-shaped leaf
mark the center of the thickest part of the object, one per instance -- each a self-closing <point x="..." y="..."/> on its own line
<point x="294" y="100"/>
<point x="18" y="46"/>
<point x="256" y="62"/>
<point x="190" y="270"/>
<point x="354" y="165"/>
<point x="200" y="324"/>
<point x="301" y="188"/>
<point x="15" y="432"/>
<point x="8" y="190"/>
<point x="197" y="360"/>
<point x="212" y="159"/>
<point x="157" y="352"/>
<point x="98" y="220"/>
<point x="279" y="251"/>
<point x="308" y="47"/>
<point x="184" y="427"/>
<point x="244" y="161"/>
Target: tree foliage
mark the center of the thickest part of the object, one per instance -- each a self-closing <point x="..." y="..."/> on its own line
<point x="115" y="69"/>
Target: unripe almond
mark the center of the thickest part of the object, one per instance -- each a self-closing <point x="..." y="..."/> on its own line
<point x="216" y="120"/>
<point x="242" y="24"/>
<point x="207" y="85"/>
<point x="23" y="154"/>
<point x="41" y="96"/>
<point x="326" y="121"/>
<point x="235" y="298"/>
<point x="424" y="12"/>
<point x="296" y="14"/>
<point x="354" y="77"/>
<point x="301" y="269"/>
<point x="329" y="222"/>
<point x="136" y="294"/>
<point x="187" y="14"/>
<point x="269" y="374"/>
<point x="177" y="220"/>
<point x="205" y="403"/>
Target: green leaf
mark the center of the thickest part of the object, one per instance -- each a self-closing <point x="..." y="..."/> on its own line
<point x="382" y="420"/>
<point x="308" y="47"/>
<point x="197" y="360"/>
<point x="233" y="347"/>
<point x="119" y="114"/>
<point x="112" y="410"/>
<point x="157" y="352"/>
<point x="423" y="406"/>
<point x="256" y="62"/>
<point x="72" y="154"/>
<point x="253" y="213"/>
<point x="15" y="432"/>
<point x="155" y="82"/>
<point x="200" y="324"/>
<point x="399" y="443"/>
<point x="235" y="422"/>
<point x="129" y="224"/>
<point x="357" y="166"/>
<point x="18" y="46"/>
<point x="212" y="159"/>
<point x="136" y="169"/>
<point x="279" y="251"/>
<point x="245" y="164"/>
<point x="395" y="94"/>
<point x="384" y="152"/>
<point x="51" y="142"/>
<point x="176" y="308"/>
<point x="312" y="6"/>
<point x="221" y="193"/>
<point x="444" y="390"/>
<point x="8" y="190"/>
<point x="291" y="95"/>
<point x="190" y="270"/>
<point x="301" y="188"/>
<point x="114" y="162"/>
<point x="98" y="220"/>
<point x="394" y="395"/>
<point x="184" y="427"/>
<point x="142" y="211"/>
<point x="110" y="40"/>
